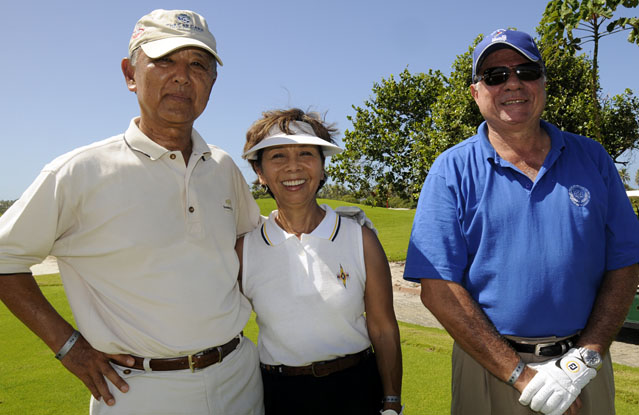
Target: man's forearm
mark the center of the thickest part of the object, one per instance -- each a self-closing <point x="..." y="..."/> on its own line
<point x="22" y="296"/>
<point x="610" y="308"/>
<point x="471" y="329"/>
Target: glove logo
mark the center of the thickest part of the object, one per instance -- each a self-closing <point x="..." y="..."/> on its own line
<point x="572" y="366"/>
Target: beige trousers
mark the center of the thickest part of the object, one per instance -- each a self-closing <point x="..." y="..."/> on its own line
<point x="475" y="391"/>
<point x="231" y="387"/>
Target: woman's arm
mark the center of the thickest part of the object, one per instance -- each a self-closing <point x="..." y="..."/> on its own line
<point x="380" y="316"/>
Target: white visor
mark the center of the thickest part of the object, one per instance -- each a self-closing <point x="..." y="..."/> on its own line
<point x="302" y="134"/>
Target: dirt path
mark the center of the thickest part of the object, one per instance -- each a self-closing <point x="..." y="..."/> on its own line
<point x="409" y="308"/>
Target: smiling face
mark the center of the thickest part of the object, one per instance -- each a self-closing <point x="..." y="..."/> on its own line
<point x="172" y="90"/>
<point x="514" y="104"/>
<point x="292" y="173"/>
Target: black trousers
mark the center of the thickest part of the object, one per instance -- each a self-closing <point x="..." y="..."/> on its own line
<point x="357" y="390"/>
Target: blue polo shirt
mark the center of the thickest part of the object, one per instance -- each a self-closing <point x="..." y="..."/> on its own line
<point x="532" y="254"/>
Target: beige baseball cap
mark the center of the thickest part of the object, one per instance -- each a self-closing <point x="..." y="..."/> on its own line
<point x="163" y="31"/>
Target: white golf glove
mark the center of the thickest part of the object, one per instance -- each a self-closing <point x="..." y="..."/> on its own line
<point x="557" y="384"/>
<point x="357" y="215"/>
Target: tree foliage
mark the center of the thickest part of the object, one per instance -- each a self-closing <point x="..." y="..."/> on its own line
<point x="613" y="121"/>
<point x="572" y="23"/>
<point x="624" y="176"/>
<point x="4" y="205"/>
<point x="384" y="149"/>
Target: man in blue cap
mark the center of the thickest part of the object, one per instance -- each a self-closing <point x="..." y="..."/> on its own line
<point x="525" y="245"/>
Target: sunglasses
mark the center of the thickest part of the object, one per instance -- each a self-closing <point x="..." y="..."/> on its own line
<point x="500" y="74"/>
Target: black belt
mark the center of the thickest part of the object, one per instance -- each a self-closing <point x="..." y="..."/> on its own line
<point x="320" y="369"/>
<point x="557" y="348"/>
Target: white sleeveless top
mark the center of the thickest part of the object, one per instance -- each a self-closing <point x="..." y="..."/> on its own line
<point x="308" y="293"/>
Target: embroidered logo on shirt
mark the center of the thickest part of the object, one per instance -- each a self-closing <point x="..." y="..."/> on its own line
<point x="579" y="195"/>
<point x="228" y="205"/>
<point x="342" y="275"/>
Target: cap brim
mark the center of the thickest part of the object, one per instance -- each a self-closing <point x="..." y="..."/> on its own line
<point x="328" y="149"/>
<point x="158" y="48"/>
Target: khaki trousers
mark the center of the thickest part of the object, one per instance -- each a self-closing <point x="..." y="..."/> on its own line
<point x="475" y="391"/>
<point x="232" y="387"/>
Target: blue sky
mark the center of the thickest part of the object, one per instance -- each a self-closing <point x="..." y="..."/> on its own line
<point x="62" y="86"/>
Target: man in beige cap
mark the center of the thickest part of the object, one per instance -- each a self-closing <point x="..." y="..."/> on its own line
<point x="144" y="225"/>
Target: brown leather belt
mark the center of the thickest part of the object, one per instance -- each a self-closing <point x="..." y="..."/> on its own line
<point x="320" y="369"/>
<point x="198" y="360"/>
<point x="545" y="349"/>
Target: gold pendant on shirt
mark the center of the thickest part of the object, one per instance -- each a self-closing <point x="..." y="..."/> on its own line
<point x="342" y="275"/>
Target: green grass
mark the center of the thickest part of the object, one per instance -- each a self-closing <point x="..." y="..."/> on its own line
<point x="33" y="382"/>
<point x="393" y="226"/>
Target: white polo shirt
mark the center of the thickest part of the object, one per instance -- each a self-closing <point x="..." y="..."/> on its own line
<point x="308" y="293"/>
<point x="145" y="244"/>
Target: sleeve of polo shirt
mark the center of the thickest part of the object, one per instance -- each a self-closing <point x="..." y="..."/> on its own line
<point x="29" y="228"/>
<point x="437" y="248"/>
<point x="248" y="213"/>
<point x="622" y="225"/>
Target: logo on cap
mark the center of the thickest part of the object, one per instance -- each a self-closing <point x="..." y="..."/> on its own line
<point x="184" y="22"/>
<point x="496" y="35"/>
<point x="184" y="19"/>
<point x="137" y="32"/>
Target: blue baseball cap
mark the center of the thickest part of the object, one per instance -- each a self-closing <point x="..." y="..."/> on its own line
<point x="501" y="38"/>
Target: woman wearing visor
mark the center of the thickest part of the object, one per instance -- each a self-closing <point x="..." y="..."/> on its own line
<point x="319" y="283"/>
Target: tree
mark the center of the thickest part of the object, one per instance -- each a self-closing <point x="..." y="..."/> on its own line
<point x="4" y="205"/>
<point x="336" y="192"/>
<point x="383" y="153"/>
<point x="625" y="177"/>
<point x="562" y="18"/>
<point x="258" y="191"/>
<point x="571" y="106"/>
<point x="637" y="177"/>
<point x="620" y="124"/>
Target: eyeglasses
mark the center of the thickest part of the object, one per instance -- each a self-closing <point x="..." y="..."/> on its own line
<point x="500" y="74"/>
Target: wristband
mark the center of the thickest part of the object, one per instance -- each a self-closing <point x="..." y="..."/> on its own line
<point x="516" y="373"/>
<point x="68" y="345"/>
<point x="392" y="399"/>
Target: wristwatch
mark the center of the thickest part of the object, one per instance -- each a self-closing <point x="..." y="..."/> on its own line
<point x="590" y="357"/>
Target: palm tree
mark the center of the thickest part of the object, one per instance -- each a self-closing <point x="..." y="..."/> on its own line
<point x="625" y="176"/>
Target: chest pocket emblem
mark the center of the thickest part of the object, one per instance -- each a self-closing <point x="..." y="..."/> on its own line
<point x="228" y="205"/>
<point x="579" y="195"/>
<point x="342" y="275"/>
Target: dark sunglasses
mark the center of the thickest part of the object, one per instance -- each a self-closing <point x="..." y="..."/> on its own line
<point x="500" y="74"/>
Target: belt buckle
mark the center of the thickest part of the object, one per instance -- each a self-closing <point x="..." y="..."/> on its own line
<point x="539" y="346"/>
<point x="191" y="363"/>
<point x="219" y="354"/>
<point x="313" y="369"/>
